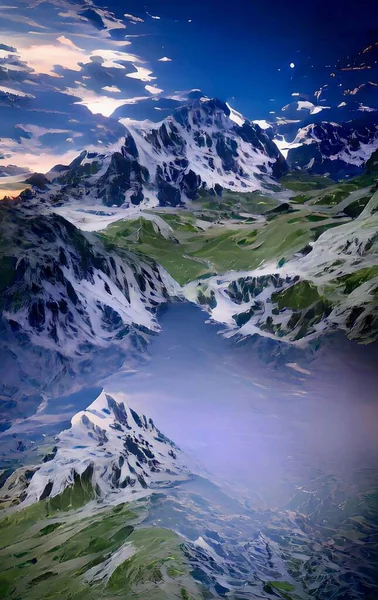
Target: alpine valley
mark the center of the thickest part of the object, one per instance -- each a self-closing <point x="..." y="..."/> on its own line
<point x="264" y="233"/>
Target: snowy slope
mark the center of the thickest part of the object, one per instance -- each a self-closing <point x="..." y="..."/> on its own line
<point x="66" y="290"/>
<point x="205" y="146"/>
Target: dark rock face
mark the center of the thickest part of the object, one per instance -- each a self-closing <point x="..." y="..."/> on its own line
<point x="123" y="175"/>
<point x="39" y="180"/>
<point x="245" y="289"/>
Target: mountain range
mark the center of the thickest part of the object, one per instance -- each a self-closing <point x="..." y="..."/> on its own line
<point x="204" y="147"/>
<point x="204" y="199"/>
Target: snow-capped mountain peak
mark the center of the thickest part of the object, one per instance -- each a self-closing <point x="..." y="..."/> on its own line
<point x="204" y="145"/>
<point x="114" y="449"/>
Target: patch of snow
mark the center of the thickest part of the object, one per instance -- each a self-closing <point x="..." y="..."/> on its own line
<point x="263" y="124"/>
<point x="103" y="571"/>
<point x="236" y="116"/>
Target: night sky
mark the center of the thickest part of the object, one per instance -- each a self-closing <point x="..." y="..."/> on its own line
<point x="241" y="50"/>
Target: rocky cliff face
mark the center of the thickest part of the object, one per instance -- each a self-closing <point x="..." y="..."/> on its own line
<point x="64" y="289"/>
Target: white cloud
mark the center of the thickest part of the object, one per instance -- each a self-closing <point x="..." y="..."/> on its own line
<point x="111" y="88"/>
<point x="37" y="130"/>
<point x="262" y="123"/>
<point x="153" y="89"/>
<point x="165" y="59"/>
<point x="63" y="45"/>
<point x="141" y="73"/>
<point x="318" y="109"/>
<point x="104" y="105"/>
<point x="97" y="104"/>
<point x="8" y="90"/>
<point x="67" y="42"/>
<point x="43" y="57"/>
<point x="36" y="161"/>
<point x="134" y="19"/>
<point x="366" y="108"/>
<point x="111" y="58"/>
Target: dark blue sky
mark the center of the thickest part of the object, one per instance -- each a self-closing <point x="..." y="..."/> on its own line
<point x="69" y="69"/>
<point x="241" y="50"/>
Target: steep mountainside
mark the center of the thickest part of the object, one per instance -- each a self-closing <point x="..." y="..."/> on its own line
<point x="69" y="302"/>
<point x="82" y="514"/>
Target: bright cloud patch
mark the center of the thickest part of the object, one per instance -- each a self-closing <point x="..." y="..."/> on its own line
<point x="67" y="42"/>
<point x="153" y="89"/>
<point x="14" y="92"/>
<point x="111" y="88"/>
<point x="133" y="19"/>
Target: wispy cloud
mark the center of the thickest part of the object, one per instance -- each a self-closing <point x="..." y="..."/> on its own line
<point x="141" y="73"/>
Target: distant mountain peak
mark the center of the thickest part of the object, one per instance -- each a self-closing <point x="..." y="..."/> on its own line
<point x="337" y="149"/>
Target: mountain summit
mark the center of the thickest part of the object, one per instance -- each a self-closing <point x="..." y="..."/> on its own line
<point x="203" y="147"/>
<point x="108" y="449"/>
